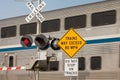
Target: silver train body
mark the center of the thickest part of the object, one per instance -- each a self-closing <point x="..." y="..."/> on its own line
<point x="97" y="23"/>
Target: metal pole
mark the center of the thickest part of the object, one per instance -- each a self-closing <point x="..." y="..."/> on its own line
<point x="39" y="1"/>
<point x="38" y="25"/>
<point x="38" y="32"/>
<point x="37" y="74"/>
<point x="38" y="54"/>
<point x="70" y="77"/>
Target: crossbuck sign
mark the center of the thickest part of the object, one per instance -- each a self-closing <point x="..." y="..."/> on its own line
<point x="35" y="11"/>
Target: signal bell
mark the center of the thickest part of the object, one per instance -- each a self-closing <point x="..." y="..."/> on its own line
<point x="26" y="41"/>
<point x="42" y="42"/>
<point x="54" y="45"/>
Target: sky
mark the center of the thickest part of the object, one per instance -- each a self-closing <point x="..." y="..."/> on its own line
<point x="14" y="8"/>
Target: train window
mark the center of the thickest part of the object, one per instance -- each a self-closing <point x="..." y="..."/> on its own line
<point x="75" y="22"/>
<point x="7" y="32"/>
<point x="30" y="28"/>
<point x="11" y="61"/>
<point x="81" y="63"/>
<point x="50" y="26"/>
<point x="96" y="63"/>
<point x="104" y="18"/>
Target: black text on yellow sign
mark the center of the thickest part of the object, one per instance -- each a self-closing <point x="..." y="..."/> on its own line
<point x="71" y="42"/>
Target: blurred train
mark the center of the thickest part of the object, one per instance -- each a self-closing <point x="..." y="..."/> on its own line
<point x="97" y="23"/>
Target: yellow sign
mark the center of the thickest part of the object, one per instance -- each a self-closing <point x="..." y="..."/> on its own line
<point x="71" y="42"/>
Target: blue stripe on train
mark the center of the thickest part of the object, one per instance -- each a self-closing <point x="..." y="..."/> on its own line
<point x="96" y="41"/>
<point x="106" y="40"/>
<point x="16" y="48"/>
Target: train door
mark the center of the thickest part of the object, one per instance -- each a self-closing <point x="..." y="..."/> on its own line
<point x="10" y="60"/>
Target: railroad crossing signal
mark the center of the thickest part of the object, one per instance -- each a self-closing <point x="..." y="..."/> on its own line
<point x="35" y="11"/>
<point x="26" y="41"/>
<point x="71" y="42"/>
<point x="41" y="41"/>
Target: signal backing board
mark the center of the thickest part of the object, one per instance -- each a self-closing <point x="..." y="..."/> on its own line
<point x="71" y="42"/>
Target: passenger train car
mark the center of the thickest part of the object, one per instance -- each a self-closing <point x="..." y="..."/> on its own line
<point x="98" y="23"/>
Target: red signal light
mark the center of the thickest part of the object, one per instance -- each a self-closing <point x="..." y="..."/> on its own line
<point x="41" y="41"/>
<point x="26" y="41"/>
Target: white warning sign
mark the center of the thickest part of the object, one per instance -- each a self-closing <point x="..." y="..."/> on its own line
<point x="71" y="67"/>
